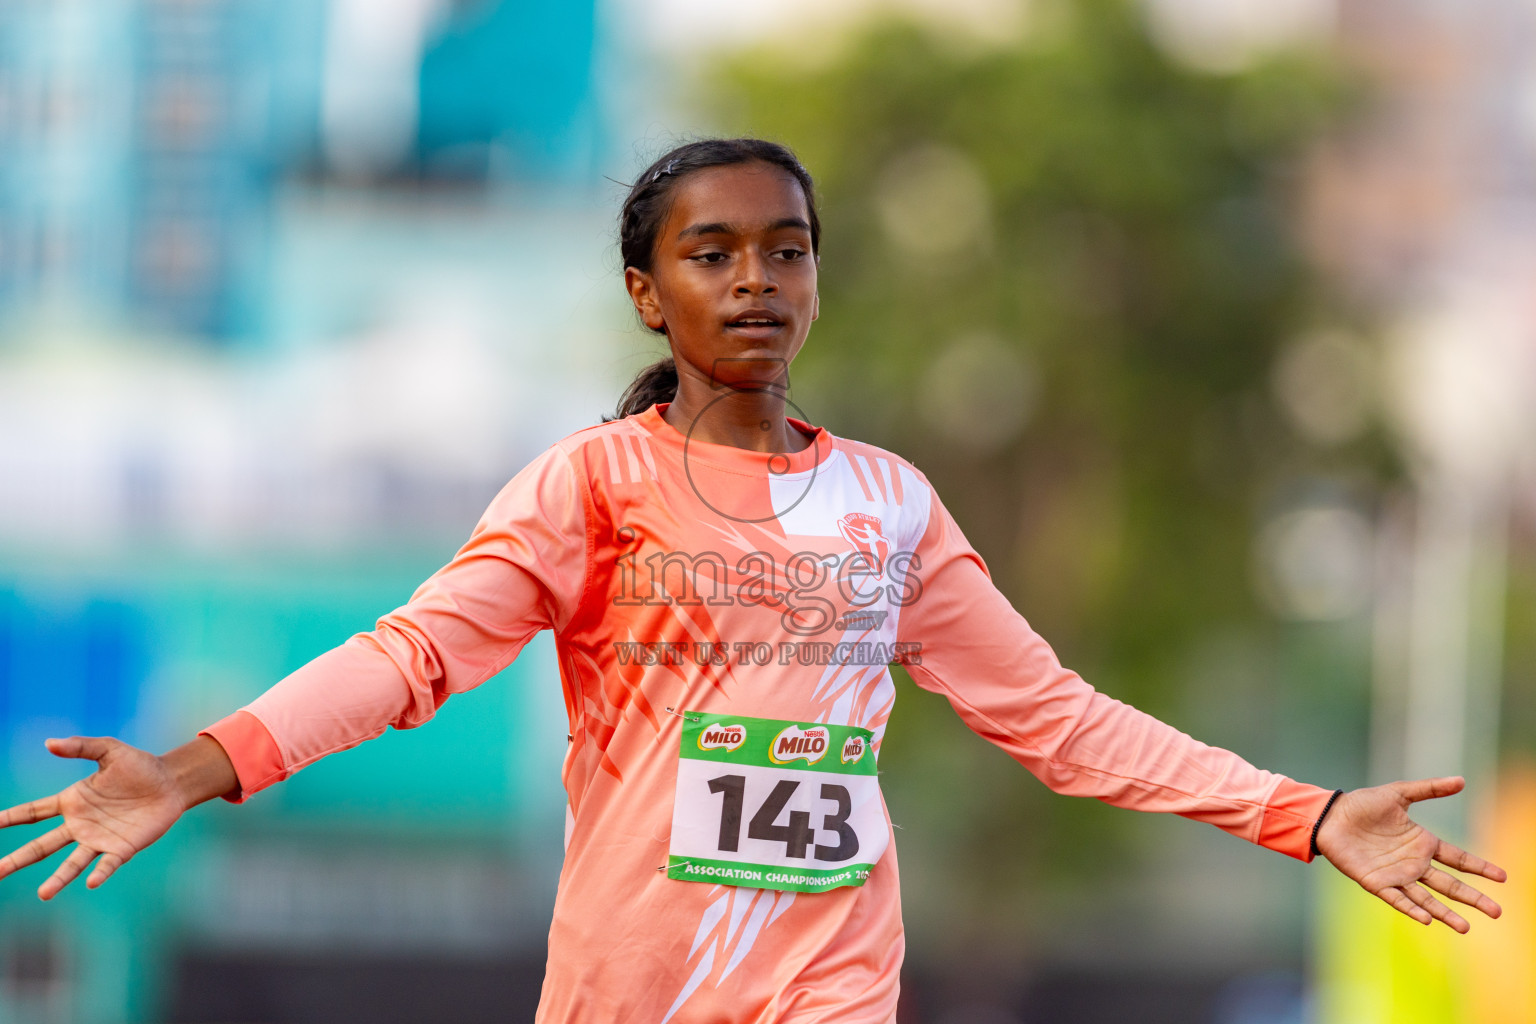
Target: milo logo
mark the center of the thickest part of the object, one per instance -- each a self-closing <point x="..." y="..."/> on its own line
<point x="722" y="737"/>
<point x="853" y="749"/>
<point x="797" y="744"/>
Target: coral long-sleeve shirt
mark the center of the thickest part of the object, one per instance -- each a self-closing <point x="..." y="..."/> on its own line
<point x="680" y="575"/>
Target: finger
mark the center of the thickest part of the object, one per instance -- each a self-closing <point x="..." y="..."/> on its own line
<point x="1461" y="892"/>
<point x="1461" y="860"/>
<point x="1399" y="901"/>
<point x="32" y="811"/>
<point x="1429" y="789"/>
<point x="45" y="845"/>
<point x="109" y="863"/>
<point x="93" y="747"/>
<point x="1439" y="911"/>
<point x="67" y="872"/>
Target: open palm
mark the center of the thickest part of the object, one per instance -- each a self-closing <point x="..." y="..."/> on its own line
<point x="1369" y="836"/>
<point x="130" y="801"/>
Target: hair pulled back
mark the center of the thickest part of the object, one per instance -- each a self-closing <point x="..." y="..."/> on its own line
<point x="645" y="211"/>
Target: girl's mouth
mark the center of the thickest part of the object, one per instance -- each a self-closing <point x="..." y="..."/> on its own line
<point x="755" y="323"/>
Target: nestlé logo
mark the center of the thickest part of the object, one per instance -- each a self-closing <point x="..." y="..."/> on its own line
<point x="797" y="744"/>
<point x="853" y="749"/>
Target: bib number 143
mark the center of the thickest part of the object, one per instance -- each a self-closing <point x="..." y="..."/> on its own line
<point x="774" y="804"/>
<point x="797" y="835"/>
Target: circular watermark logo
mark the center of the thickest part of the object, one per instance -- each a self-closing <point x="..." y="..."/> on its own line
<point x="778" y="463"/>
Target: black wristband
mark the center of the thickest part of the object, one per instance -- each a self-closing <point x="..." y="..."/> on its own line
<point x="1319" y="823"/>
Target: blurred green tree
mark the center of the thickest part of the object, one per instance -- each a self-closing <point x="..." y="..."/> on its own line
<point x="1055" y="276"/>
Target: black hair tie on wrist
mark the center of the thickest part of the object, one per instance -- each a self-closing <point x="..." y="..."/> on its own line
<point x="1319" y="823"/>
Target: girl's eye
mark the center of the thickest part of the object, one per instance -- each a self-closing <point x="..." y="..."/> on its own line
<point x="708" y="257"/>
<point x="792" y="255"/>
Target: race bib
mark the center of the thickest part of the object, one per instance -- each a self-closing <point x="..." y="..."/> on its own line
<point x="775" y="805"/>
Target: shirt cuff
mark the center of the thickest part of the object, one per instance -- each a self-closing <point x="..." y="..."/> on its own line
<point x="252" y="750"/>
<point x="1289" y="817"/>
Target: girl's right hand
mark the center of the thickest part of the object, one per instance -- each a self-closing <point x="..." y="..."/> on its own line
<point x="128" y="803"/>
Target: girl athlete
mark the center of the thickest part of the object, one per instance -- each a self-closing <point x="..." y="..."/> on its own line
<point x="727" y="585"/>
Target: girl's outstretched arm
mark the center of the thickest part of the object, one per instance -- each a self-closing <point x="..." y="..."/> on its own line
<point x="1369" y="837"/>
<point x="1008" y="686"/>
<point x="522" y="570"/>
<point x="130" y="801"/>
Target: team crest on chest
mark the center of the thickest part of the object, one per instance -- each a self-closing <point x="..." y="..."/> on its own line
<point x="863" y="531"/>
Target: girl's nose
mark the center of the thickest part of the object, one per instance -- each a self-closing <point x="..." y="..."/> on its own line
<point x="755" y="279"/>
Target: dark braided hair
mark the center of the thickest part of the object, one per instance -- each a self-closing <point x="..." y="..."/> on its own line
<point x="645" y="210"/>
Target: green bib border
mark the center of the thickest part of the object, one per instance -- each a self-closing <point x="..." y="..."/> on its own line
<point x="757" y="747"/>
<point x="757" y="876"/>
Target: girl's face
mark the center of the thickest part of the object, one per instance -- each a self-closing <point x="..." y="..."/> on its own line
<point x="733" y="281"/>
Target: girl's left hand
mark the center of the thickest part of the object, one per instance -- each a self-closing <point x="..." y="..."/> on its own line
<point x="1369" y="837"/>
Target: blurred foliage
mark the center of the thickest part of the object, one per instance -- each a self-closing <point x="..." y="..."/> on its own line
<point x="1055" y="276"/>
<point x="1517" y="723"/>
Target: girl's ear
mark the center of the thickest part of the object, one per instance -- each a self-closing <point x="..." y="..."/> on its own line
<point x="816" y="305"/>
<point x="643" y="293"/>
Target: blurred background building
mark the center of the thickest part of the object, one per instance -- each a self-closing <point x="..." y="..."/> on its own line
<point x="1210" y="320"/>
